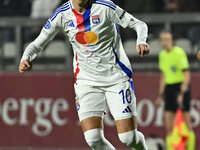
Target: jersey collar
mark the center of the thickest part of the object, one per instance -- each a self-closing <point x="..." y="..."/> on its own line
<point x="71" y="5"/>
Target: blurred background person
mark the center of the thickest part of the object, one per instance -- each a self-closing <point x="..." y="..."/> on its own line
<point x="174" y="86"/>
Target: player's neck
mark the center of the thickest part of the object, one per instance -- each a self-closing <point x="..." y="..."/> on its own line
<point x="80" y="5"/>
<point x="169" y="48"/>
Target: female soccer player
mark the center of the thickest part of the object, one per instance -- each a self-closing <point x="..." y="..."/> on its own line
<point x="101" y="68"/>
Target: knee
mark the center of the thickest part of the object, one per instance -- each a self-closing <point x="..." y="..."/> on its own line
<point x="133" y="139"/>
<point x="128" y="138"/>
<point x="93" y="137"/>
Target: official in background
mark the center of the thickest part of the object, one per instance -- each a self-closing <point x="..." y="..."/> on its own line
<point x="174" y="86"/>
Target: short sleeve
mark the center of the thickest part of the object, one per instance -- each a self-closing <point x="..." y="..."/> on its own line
<point x="183" y="63"/>
<point x="160" y="62"/>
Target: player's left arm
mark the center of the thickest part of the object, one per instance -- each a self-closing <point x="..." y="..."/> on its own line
<point x="124" y="19"/>
<point x="186" y="81"/>
<point x="184" y="87"/>
<point x="142" y="32"/>
<point x="184" y="66"/>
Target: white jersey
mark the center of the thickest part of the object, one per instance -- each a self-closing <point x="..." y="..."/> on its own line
<point x="99" y="56"/>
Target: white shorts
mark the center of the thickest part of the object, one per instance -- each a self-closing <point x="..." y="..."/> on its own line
<point x="120" y="98"/>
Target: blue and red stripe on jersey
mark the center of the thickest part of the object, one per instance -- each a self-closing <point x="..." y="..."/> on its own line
<point x="83" y="21"/>
<point x="83" y="24"/>
<point x="77" y="68"/>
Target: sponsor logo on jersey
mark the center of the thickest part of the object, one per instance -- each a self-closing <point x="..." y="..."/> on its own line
<point x="47" y="25"/>
<point x="78" y="106"/>
<point x="96" y="19"/>
<point x="88" y="37"/>
<point x="71" y="24"/>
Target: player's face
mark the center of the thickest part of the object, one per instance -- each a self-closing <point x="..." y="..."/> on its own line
<point x="166" y="40"/>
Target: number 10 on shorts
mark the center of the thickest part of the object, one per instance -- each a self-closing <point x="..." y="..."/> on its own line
<point x="126" y="96"/>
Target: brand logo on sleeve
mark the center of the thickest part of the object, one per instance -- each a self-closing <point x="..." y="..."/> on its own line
<point x="96" y="19"/>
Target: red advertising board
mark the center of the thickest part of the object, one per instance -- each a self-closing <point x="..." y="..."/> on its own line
<point x="38" y="110"/>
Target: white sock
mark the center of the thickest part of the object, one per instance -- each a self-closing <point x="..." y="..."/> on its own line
<point x="133" y="139"/>
<point x="96" y="140"/>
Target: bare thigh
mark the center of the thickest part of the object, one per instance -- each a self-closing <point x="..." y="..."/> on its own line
<point x="91" y="123"/>
<point x="169" y="121"/>
<point x="126" y="125"/>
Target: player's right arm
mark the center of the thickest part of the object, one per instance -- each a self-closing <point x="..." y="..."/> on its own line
<point x="46" y="35"/>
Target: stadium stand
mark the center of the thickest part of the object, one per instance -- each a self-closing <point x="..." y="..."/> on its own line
<point x="129" y="46"/>
<point x="9" y="49"/>
<point x="185" y="44"/>
<point x="57" y="49"/>
<point x="155" y="47"/>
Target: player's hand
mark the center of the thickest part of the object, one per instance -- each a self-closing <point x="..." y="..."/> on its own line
<point x="180" y="100"/>
<point x="159" y="101"/>
<point x="25" y="66"/>
<point x="143" y="49"/>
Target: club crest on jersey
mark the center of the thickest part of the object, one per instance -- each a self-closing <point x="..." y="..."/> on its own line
<point x="96" y="19"/>
<point x="78" y="106"/>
